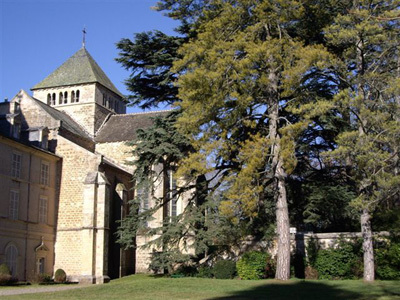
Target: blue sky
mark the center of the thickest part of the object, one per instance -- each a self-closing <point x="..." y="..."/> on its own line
<point x="37" y="36"/>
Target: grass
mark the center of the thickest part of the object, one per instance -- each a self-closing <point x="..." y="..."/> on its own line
<point x="150" y="287"/>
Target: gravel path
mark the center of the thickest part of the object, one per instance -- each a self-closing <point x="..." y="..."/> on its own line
<point x="41" y="289"/>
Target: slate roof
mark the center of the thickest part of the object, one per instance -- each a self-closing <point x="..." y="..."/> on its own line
<point x="66" y="121"/>
<point x="78" y="69"/>
<point x="120" y="128"/>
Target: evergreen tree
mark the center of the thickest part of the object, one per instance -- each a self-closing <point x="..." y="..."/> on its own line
<point x="241" y="85"/>
<point x="366" y="38"/>
<point x="150" y="57"/>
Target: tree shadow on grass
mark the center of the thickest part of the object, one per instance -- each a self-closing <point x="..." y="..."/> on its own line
<point x="295" y="291"/>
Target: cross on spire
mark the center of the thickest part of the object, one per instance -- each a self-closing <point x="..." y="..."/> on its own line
<point x="84" y="37"/>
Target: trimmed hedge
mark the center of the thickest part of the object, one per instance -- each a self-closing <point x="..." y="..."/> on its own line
<point x="60" y="276"/>
<point x="255" y="265"/>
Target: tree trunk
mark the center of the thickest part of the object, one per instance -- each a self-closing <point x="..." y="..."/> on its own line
<point x="282" y="212"/>
<point x="369" y="272"/>
<point x="282" y="228"/>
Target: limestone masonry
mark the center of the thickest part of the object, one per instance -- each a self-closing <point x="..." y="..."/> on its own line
<point x="66" y="178"/>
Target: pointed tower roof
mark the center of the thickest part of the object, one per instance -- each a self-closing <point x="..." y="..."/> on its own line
<point x="78" y="69"/>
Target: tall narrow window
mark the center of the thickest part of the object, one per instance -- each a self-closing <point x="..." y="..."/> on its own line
<point x="16" y="130"/>
<point x="44" y="173"/>
<point x="104" y="100"/>
<point x="45" y="141"/>
<point x="77" y="96"/>
<point x="11" y="259"/>
<point x="72" y="97"/>
<point x="143" y="194"/>
<point x="172" y="197"/>
<point x="16" y="165"/>
<point x="43" y="209"/>
<point x="65" y="97"/>
<point x="14" y="205"/>
<point x="41" y="265"/>
<point x="48" y="99"/>
<point x="53" y="99"/>
<point x="60" y="98"/>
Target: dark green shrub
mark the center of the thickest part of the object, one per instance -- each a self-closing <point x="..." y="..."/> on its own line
<point x="4" y="270"/>
<point x="255" y="265"/>
<point x="5" y="275"/>
<point x="43" y="279"/>
<point x="60" y="276"/>
<point x="224" y="269"/>
<point x="204" y="272"/>
<point x="343" y="262"/>
<point x="186" y="271"/>
<point x="387" y="261"/>
<point x="312" y="251"/>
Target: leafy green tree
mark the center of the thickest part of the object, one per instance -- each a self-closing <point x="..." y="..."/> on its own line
<point x="366" y="39"/>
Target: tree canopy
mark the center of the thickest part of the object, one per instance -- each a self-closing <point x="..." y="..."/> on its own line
<point x="289" y="104"/>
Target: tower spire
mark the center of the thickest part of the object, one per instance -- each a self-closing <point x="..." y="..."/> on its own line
<point x="84" y="37"/>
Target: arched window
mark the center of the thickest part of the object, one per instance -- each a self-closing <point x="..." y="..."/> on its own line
<point x="77" y="96"/>
<point x="60" y="99"/>
<point x="65" y="97"/>
<point x="53" y="99"/>
<point x="11" y="259"/>
<point x="72" y="97"/>
<point x="48" y="99"/>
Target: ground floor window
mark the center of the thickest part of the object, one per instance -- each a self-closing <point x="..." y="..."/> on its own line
<point x="41" y="262"/>
<point x="11" y="259"/>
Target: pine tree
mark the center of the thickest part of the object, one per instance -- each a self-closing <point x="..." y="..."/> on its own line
<point x="149" y="58"/>
<point x="366" y="38"/>
<point x="243" y="106"/>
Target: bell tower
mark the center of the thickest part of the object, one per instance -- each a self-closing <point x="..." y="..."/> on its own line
<point x="81" y="89"/>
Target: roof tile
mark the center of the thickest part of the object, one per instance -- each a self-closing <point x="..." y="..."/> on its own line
<point x="78" y="69"/>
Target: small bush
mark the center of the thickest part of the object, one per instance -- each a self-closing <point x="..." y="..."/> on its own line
<point x="224" y="269"/>
<point x="5" y="275"/>
<point x="186" y="271"/>
<point x="343" y="262"/>
<point x="42" y="279"/>
<point x="60" y="276"/>
<point x="5" y="279"/>
<point x="255" y="265"/>
<point x="204" y="272"/>
<point x="4" y="270"/>
<point x="387" y="258"/>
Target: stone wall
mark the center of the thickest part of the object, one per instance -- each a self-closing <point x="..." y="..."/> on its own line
<point x="27" y="232"/>
<point x="32" y="115"/>
<point x="89" y="112"/>
<point x="103" y="97"/>
<point x="77" y="162"/>
<point x="86" y="94"/>
<point x="119" y="152"/>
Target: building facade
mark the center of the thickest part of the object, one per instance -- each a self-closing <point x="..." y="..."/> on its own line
<point x="74" y="130"/>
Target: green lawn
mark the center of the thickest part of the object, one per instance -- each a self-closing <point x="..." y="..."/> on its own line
<point x="148" y="287"/>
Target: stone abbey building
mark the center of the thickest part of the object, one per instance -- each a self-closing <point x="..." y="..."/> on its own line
<point x="65" y="180"/>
